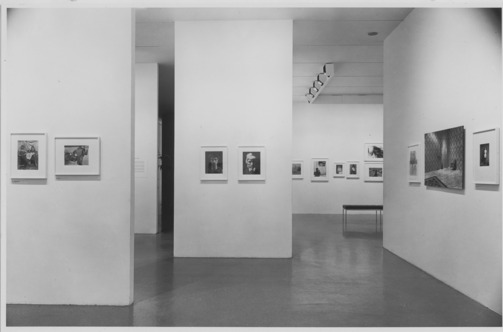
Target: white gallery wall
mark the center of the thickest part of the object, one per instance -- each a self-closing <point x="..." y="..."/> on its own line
<point x="442" y="69"/>
<point x="337" y="132"/>
<point x="146" y="130"/>
<point x="233" y="87"/>
<point x="70" y="73"/>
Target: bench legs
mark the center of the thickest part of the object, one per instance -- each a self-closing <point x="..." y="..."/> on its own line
<point x="345" y="220"/>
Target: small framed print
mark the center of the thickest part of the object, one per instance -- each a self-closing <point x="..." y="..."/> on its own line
<point x="297" y="169"/>
<point x="251" y="163"/>
<point x="373" y="172"/>
<point x="77" y="155"/>
<point x="353" y="170"/>
<point x="339" y="169"/>
<point x="486" y="156"/>
<point x="414" y="155"/>
<point x="373" y="152"/>
<point x="319" y="170"/>
<point x="28" y="156"/>
<point x="213" y="160"/>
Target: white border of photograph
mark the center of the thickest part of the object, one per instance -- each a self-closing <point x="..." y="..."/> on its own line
<point x="41" y="172"/>
<point x="321" y="177"/>
<point x="489" y="173"/>
<point x="301" y="174"/>
<point x="339" y="174"/>
<point x="417" y="149"/>
<point x="94" y="155"/>
<point x="348" y="172"/>
<point x="366" y="172"/>
<point x="241" y="163"/>
<point x="368" y="156"/>
<point x="220" y="176"/>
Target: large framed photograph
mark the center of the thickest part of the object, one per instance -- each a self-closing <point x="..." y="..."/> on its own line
<point x="413" y="172"/>
<point x="77" y="155"/>
<point x="373" y="152"/>
<point x="339" y="169"/>
<point x="28" y="156"/>
<point x="213" y="161"/>
<point x="319" y="169"/>
<point x="486" y="156"/>
<point x="444" y="158"/>
<point x="297" y="169"/>
<point x="373" y="172"/>
<point x="251" y="163"/>
<point x="353" y="170"/>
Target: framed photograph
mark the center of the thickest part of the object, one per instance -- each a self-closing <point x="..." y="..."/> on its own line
<point x="77" y="155"/>
<point x="319" y="169"/>
<point x="373" y="172"/>
<point x="28" y="156"/>
<point x="353" y="171"/>
<point x="213" y="161"/>
<point x="486" y="156"/>
<point x="297" y="169"/>
<point x="251" y="163"/>
<point x="413" y="165"/>
<point x="339" y="169"/>
<point x="373" y="152"/>
<point x="444" y="158"/>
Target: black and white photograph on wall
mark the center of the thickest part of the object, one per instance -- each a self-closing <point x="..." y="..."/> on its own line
<point x="77" y="155"/>
<point x="373" y="152"/>
<point x="213" y="163"/>
<point x="353" y="170"/>
<point x="28" y="156"/>
<point x="297" y="169"/>
<point x="319" y="170"/>
<point x="339" y="169"/>
<point x="486" y="157"/>
<point x="413" y="165"/>
<point x="373" y="172"/>
<point x="251" y="161"/>
<point x="444" y="158"/>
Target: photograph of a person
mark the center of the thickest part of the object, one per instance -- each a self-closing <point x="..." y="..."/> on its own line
<point x="251" y="162"/>
<point x="338" y="169"/>
<point x="413" y="163"/>
<point x="214" y="162"/>
<point x="484" y="154"/>
<point x="296" y="168"/>
<point x="319" y="169"/>
<point x="353" y="169"/>
<point x="27" y="155"/>
<point x="77" y="155"/>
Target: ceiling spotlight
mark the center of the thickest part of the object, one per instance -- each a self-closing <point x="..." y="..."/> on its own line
<point x="373" y="33"/>
<point x="314" y="90"/>
<point x="323" y="78"/>
<point x="318" y="84"/>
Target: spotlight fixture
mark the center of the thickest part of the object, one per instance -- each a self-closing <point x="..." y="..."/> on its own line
<point x="373" y="33"/>
<point x="321" y="81"/>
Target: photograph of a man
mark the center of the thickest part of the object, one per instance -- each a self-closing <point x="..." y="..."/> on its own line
<point x="251" y="162"/>
<point x="214" y="162"/>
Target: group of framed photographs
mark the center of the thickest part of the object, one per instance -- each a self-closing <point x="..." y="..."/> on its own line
<point x="320" y="167"/>
<point x="444" y="158"/>
<point x="73" y="156"/>
<point x="214" y="164"/>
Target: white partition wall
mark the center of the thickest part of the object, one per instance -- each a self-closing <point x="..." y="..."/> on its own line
<point x="70" y="73"/>
<point x="233" y="87"/>
<point x="442" y="69"/>
<point x="146" y="141"/>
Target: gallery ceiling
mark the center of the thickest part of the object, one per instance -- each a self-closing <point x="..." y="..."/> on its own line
<point x="321" y="35"/>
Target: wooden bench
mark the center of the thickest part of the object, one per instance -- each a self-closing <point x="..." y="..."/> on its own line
<point x="346" y="208"/>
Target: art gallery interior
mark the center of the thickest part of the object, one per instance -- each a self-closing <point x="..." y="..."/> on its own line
<point x="144" y="236"/>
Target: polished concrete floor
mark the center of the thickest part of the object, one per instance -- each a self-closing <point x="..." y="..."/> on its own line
<point x="335" y="279"/>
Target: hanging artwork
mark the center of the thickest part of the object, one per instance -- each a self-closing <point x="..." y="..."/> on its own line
<point x="213" y="163"/>
<point x="413" y="169"/>
<point x="353" y="170"/>
<point x="251" y="163"/>
<point x="297" y="169"/>
<point x="373" y="172"/>
<point x="486" y="156"/>
<point x="339" y="169"/>
<point x="373" y="152"/>
<point x="444" y="158"/>
<point x="77" y="155"/>
<point x="319" y="169"/>
<point x="28" y="156"/>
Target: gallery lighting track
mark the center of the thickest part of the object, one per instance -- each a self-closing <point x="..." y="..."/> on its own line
<point x="320" y="82"/>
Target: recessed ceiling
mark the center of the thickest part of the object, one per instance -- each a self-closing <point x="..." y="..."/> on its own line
<point x="320" y="35"/>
